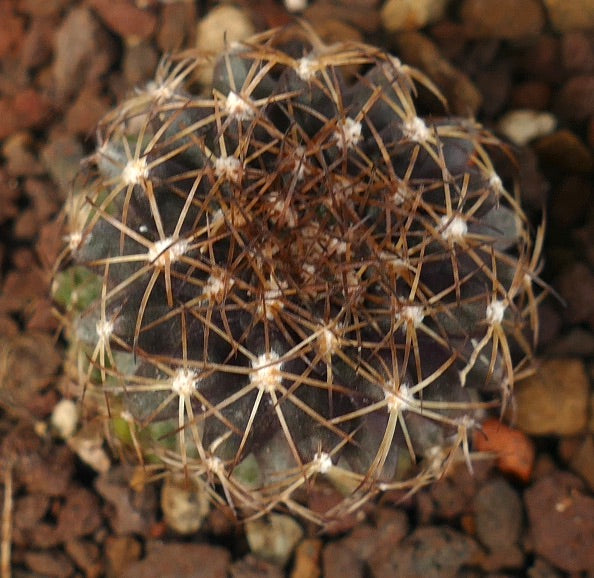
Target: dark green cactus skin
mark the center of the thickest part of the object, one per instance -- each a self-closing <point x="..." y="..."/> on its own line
<point x="300" y="280"/>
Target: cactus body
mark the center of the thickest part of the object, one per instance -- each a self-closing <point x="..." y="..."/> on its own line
<point x="295" y="279"/>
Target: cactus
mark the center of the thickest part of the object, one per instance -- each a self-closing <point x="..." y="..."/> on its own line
<point x="294" y="279"/>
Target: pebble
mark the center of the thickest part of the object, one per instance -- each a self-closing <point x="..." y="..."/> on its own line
<point x="514" y="450"/>
<point x="400" y="15"/>
<point x="431" y="552"/>
<point x="577" y="52"/>
<point x="180" y="559"/>
<point x="507" y="19"/>
<point x="561" y="519"/>
<point x="49" y="563"/>
<point x="125" y="19"/>
<point x="176" y="25"/>
<point x="80" y="515"/>
<point x="564" y="150"/>
<point x="83" y="52"/>
<point x="417" y="50"/>
<point x="121" y="551"/>
<point x="28" y="109"/>
<point x="19" y="156"/>
<point x="576" y="286"/>
<point x="574" y="15"/>
<point x="133" y="512"/>
<point x="307" y="559"/>
<point x="65" y="418"/>
<point x="533" y="94"/>
<point x="523" y="126"/>
<point x="274" y="537"/>
<point x="498" y="515"/>
<point x="582" y="461"/>
<point x="340" y="561"/>
<point x="61" y="156"/>
<point x="251" y="567"/>
<point x="571" y="200"/>
<point x="85" y="555"/>
<point x="575" y="99"/>
<point x="184" y="505"/>
<point x="555" y="400"/>
<point x="221" y="26"/>
<point x="360" y="14"/>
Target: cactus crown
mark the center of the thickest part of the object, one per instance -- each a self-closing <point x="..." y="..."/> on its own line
<point x="294" y="278"/>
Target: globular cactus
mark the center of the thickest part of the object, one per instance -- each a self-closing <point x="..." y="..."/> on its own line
<point x="295" y="280"/>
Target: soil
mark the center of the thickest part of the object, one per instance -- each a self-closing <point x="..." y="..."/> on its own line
<point x="530" y="512"/>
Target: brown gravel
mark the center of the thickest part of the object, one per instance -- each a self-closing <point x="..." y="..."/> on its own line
<point x="63" y="63"/>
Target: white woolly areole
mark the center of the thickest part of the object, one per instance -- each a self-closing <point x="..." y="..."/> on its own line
<point x="272" y="297"/>
<point x="135" y="171"/>
<point x="104" y="329"/>
<point x="348" y="133"/>
<point x="214" y="289"/>
<point x="215" y="465"/>
<point x="266" y="375"/>
<point x="238" y="107"/>
<point x="184" y="382"/>
<point x="412" y="314"/>
<point x="495" y="182"/>
<point x="306" y="68"/>
<point x="396" y="400"/>
<point x="166" y="251"/>
<point x="495" y="312"/>
<point x="228" y="167"/>
<point x="401" y="194"/>
<point x="453" y="228"/>
<point x="416" y="129"/>
<point x="322" y="462"/>
<point x="327" y="342"/>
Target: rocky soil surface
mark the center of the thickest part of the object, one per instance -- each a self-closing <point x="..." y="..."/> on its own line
<point x="525" y="68"/>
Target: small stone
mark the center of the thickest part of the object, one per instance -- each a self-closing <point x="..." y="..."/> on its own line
<point x="515" y="451"/>
<point x="65" y="418"/>
<point x="582" y="461"/>
<point x="400" y="15"/>
<point x="220" y="27"/>
<point x="120" y="552"/>
<point x="61" y="157"/>
<point x="273" y="538"/>
<point x="431" y="552"/>
<point x="307" y="559"/>
<point x="83" y="52"/>
<point x="554" y="400"/>
<point x="522" y="126"/>
<point x="576" y="285"/>
<point x="80" y="515"/>
<point x="533" y="94"/>
<point x="577" y="52"/>
<point x="561" y="520"/>
<point x="340" y="561"/>
<point x="134" y="512"/>
<point x="575" y="100"/>
<point x="19" y="157"/>
<point x="362" y="14"/>
<point x="139" y="63"/>
<point x="575" y="15"/>
<point x="564" y="150"/>
<point x="176" y="25"/>
<point x="497" y="515"/>
<point x="126" y="19"/>
<point x="49" y="563"/>
<point x="251" y="567"/>
<point x="180" y="559"/>
<point x="87" y="110"/>
<point x="462" y="95"/>
<point x="184" y="505"/>
<point x="502" y="18"/>
<point x="86" y="556"/>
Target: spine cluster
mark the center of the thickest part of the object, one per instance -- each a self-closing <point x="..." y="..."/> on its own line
<point x="296" y="279"/>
